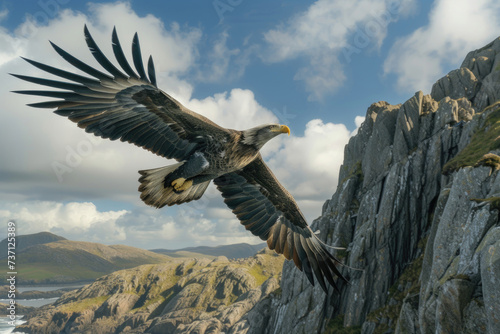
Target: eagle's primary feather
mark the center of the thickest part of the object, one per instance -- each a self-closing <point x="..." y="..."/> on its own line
<point x="126" y="104"/>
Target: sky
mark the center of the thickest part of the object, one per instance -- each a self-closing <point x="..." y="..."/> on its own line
<point x="313" y="65"/>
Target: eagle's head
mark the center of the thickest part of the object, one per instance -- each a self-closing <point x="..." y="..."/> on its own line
<point x="261" y="134"/>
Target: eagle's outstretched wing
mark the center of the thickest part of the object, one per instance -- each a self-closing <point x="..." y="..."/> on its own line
<point x="268" y="210"/>
<point x="126" y="106"/>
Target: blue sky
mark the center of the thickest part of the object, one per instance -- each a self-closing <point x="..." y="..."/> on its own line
<point x="314" y="65"/>
<point x="272" y="83"/>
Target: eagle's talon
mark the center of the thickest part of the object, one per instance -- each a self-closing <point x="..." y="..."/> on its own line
<point x="177" y="183"/>
<point x="181" y="184"/>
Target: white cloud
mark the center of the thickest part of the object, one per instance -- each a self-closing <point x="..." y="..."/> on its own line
<point x="328" y="33"/>
<point x="142" y="227"/>
<point x="222" y="62"/>
<point x="73" y="220"/>
<point x="455" y="28"/>
<point x="236" y="110"/>
<point x="204" y="222"/>
<point x="3" y="14"/>
<point x="11" y="46"/>
<point x="358" y="120"/>
<point x="212" y="223"/>
<point x="220" y="55"/>
<point x="308" y="166"/>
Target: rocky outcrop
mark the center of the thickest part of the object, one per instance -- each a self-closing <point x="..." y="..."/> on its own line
<point x="180" y="296"/>
<point x="417" y="208"/>
<point x="20" y="309"/>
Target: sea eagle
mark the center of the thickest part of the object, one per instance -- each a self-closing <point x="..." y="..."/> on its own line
<point x="127" y="105"/>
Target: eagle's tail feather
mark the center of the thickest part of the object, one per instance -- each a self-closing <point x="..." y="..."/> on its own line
<point x="154" y="193"/>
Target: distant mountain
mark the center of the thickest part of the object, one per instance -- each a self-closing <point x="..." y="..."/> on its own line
<point x="45" y="258"/>
<point x="28" y="240"/>
<point x="235" y="251"/>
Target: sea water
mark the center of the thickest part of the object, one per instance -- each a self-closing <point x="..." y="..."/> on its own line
<point x="5" y="328"/>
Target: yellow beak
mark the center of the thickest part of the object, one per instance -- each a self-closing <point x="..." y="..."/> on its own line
<point x="285" y="129"/>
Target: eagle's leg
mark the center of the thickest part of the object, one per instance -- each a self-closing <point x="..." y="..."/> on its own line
<point x="181" y="184"/>
<point x="181" y="178"/>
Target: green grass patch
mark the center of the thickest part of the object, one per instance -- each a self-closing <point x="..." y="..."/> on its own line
<point x="489" y="160"/>
<point x="190" y="255"/>
<point x="257" y="272"/>
<point x="461" y="276"/>
<point x="484" y="140"/>
<point x="69" y="261"/>
<point x="355" y="171"/>
<point x="163" y="299"/>
<point x="267" y="265"/>
<point x="157" y="292"/>
<point x="83" y="305"/>
<point x="38" y="273"/>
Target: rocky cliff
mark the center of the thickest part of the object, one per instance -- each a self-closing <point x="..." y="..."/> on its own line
<point x="417" y="208"/>
<point x="179" y="296"/>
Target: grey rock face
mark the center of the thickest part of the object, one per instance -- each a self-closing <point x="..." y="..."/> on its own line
<point x="408" y="318"/>
<point x="455" y="294"/>
<point x="475" y="319"/>
<point x="484" y="64"/>
<point x="490" y="271"/>
<point x="458" y="83"/>
<point x="425" y="246"/>
<point x="378" y="148"/>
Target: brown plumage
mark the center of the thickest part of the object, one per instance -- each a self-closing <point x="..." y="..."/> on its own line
<point x="127" y="105"/>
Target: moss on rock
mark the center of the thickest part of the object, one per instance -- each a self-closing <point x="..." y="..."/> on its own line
<point x="483" y="141"/>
